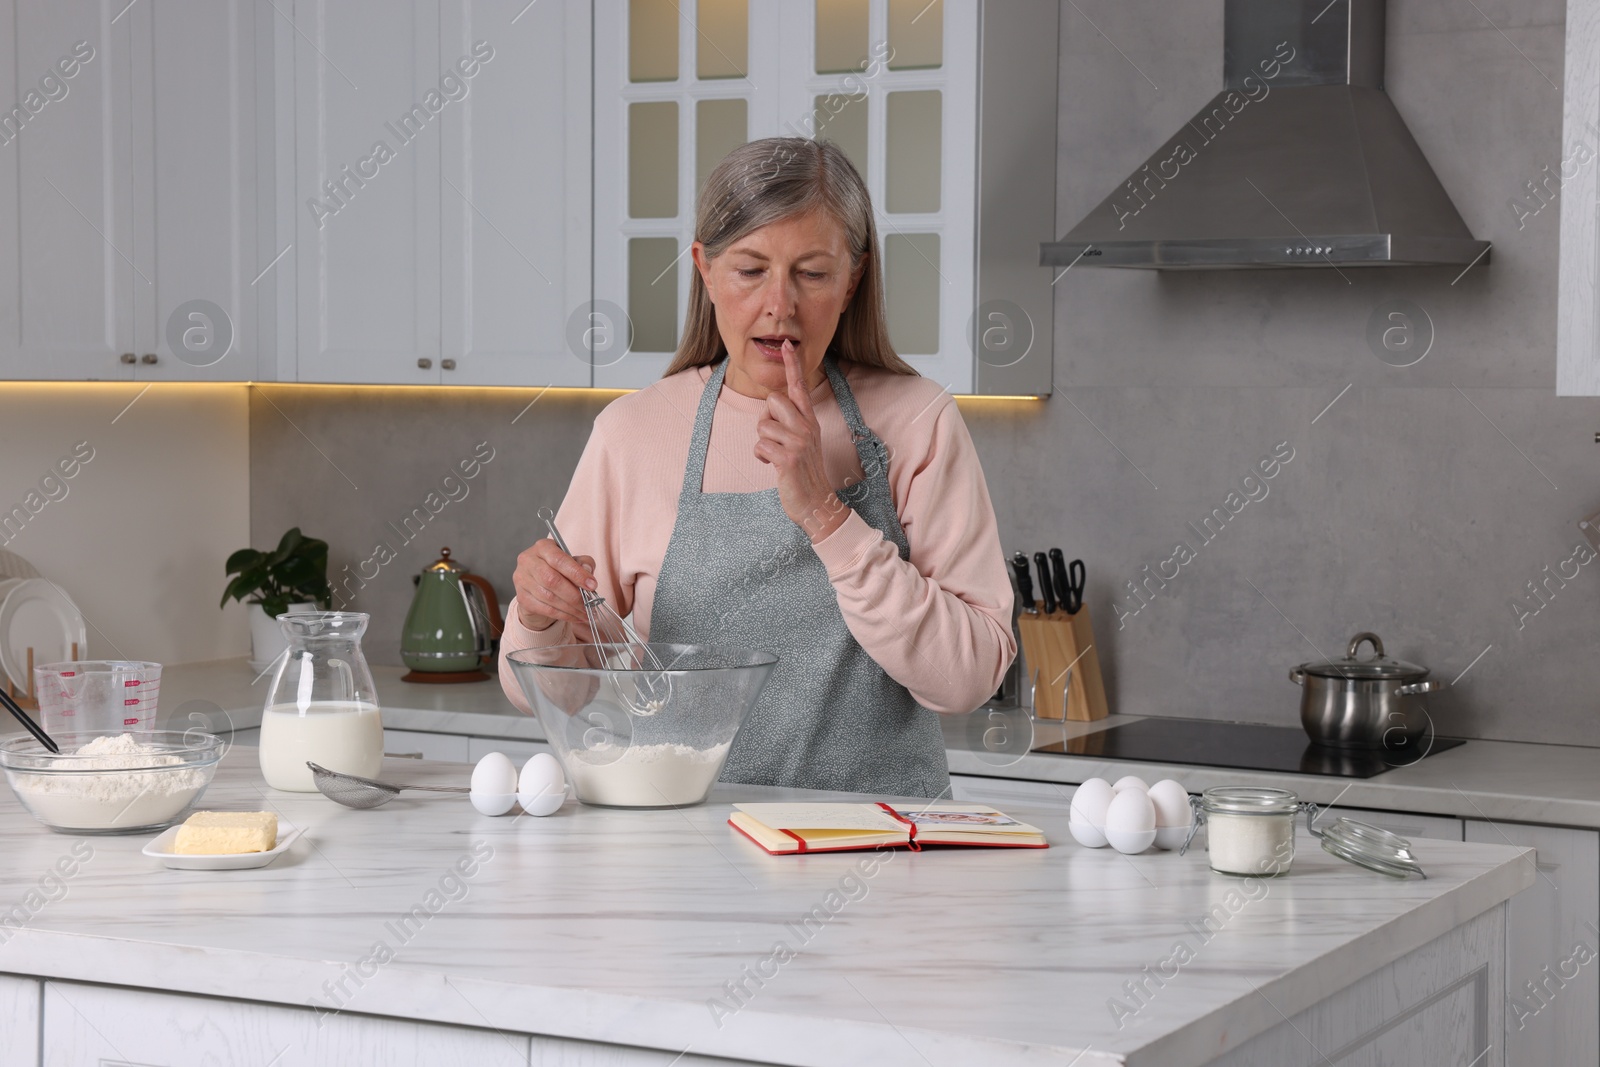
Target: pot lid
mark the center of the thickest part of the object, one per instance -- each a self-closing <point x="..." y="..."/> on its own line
<point x="1379" y="666"/>
<point x="445" y="563"/>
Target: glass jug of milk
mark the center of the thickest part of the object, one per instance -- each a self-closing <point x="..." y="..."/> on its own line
<point x="322" y="706"/>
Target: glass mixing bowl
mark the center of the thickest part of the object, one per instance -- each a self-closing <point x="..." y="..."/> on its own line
<point x="630" y="738"/>
<point x="116" y="791"/>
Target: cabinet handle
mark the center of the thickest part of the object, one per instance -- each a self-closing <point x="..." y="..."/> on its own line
<point x="425" y="363"/>
<point x="129" y="357"/>
<point x="149" y="357"/>
<point x="448" y="364"/>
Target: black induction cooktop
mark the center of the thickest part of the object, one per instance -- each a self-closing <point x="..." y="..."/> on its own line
<point x="1245" y="746"/>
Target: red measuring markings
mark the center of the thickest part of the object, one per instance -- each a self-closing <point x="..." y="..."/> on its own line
<point x="132" y="703"/>
<point x="131" y="682"/>
<point x="130" y="722"/>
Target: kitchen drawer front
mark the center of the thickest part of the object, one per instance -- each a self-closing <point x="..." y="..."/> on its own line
<point x="19" y="1022"/>
<point x="479" y="747"/>
<point x="997" y="791"/>
<point x="1551" y="942"/>
<point x="97" y="1024"/>
<point x="451" y="747"/>
<point x="1406" y="824"/>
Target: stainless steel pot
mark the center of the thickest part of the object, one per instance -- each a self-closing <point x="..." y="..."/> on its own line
<point x="1363" y="703"/>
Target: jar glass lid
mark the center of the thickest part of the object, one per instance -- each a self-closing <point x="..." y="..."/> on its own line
<point x="1370" y="847"/>
<point x="1249" y="800"/>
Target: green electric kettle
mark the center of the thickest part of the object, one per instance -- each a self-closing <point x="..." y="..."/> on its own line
<point x="452" y="621"/>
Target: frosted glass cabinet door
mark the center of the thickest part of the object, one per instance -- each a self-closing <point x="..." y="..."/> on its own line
<point x="367" y="189"/>
<point x="67" y="277"/>
<point x="517" y="193"/>
<point x="194" y="179"/>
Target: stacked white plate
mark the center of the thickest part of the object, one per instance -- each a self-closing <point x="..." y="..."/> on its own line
<point x="35" y="613"/>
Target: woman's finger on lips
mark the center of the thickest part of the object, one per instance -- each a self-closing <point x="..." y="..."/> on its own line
<point x="794" y="379"/>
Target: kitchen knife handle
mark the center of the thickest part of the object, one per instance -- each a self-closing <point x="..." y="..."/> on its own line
<point x="1040" y="561"/>
<point x="1058" y="575"/>
<point x="1019" y="568"/>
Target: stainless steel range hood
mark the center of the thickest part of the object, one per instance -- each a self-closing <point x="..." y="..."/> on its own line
<point x="1301" y="161"/>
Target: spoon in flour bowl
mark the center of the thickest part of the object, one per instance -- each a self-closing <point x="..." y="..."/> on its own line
<point x="354" y="791"/>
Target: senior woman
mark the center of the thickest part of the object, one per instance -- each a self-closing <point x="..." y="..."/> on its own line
<point x="793" y="486"/>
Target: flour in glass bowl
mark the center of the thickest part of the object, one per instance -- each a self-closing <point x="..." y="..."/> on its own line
<point x="645" y="776"/>
<point x="130" y="794"/>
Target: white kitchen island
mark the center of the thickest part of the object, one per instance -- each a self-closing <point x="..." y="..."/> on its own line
<point x="425" y="933"/>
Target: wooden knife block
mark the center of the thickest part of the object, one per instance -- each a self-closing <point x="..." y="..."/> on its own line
<point x="1063" y="666"/>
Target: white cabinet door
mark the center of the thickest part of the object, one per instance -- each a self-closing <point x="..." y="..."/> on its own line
<point x="450" y="747"/>
<point x="68" y="282"/>
<point x="19" y="1022"/>
<point x="1552" y="995"/>
<point x="367" y="111"/>
<point x="516" y="191"/>
<point x="86" y="1024"/>
<point x="194" y="184"/>
<point x="1578" y="285"/>
<point x="479" y="747"/>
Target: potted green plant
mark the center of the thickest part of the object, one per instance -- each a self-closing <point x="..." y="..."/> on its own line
<point x="293" y="576"/>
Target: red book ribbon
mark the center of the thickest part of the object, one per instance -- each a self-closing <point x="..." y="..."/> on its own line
<point x="910" y="826"/>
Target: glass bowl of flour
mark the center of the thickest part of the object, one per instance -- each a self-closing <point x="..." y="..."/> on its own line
<point x="653" y="738"/>
<point x="113" y="782"/>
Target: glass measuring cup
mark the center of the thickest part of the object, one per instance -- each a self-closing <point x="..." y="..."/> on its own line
<point x="98" y="696"/>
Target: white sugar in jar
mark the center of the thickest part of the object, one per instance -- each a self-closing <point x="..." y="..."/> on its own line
<point x="1249" y="829"/>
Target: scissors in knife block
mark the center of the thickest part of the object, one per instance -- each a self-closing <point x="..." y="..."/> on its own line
<point x="1069" y="580"/>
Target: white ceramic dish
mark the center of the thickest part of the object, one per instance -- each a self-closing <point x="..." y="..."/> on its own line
<point x="161" y="849"/>
<point x="37" y="614"/>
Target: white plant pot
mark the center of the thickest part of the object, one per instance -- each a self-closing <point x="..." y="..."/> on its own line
<point x="267" y="642"/>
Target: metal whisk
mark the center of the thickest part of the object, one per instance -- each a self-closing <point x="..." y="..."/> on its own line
<point x="637" y="674"/>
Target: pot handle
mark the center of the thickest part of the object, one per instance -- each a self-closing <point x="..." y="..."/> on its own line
<point x="1297" y="675"/>
<point x="1365" y="635"/>
<point x="1418" y="688"/>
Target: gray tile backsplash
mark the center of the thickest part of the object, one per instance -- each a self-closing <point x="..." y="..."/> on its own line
<point x="1419" y="505"/>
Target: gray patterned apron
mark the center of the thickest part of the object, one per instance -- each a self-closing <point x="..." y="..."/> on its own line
<point x="740" y="573"/>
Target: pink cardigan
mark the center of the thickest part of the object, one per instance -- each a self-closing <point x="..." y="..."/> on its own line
<point x="939" y="624"/>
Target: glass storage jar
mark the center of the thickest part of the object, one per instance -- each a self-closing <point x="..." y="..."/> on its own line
<point x="1249" y="829"/>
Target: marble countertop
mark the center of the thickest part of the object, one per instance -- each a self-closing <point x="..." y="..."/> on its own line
<point x="1498" y="780"/>
<point x="628" y="927"/>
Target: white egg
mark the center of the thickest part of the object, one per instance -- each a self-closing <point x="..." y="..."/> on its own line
<point x="1085" y="834"/>
<point x="1173" y="814"/>
<point x="1131" y="821"/>
<point x="1089" y="801"/>
<point x="1130" y="781"/>
<point x="494" y="784"/>
<point x="542" y="787"/>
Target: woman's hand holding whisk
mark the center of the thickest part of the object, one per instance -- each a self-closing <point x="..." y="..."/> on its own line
<point x="549" y="583"/>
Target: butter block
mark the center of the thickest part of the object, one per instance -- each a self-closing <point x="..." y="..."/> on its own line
<point x="218" y="833"/>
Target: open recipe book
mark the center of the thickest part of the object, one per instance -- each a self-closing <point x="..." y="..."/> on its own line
<point x="785" y="828"/>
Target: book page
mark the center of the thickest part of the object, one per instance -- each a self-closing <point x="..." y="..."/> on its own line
<point x="823" y="817"/>
<point x="964" y="818"/>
